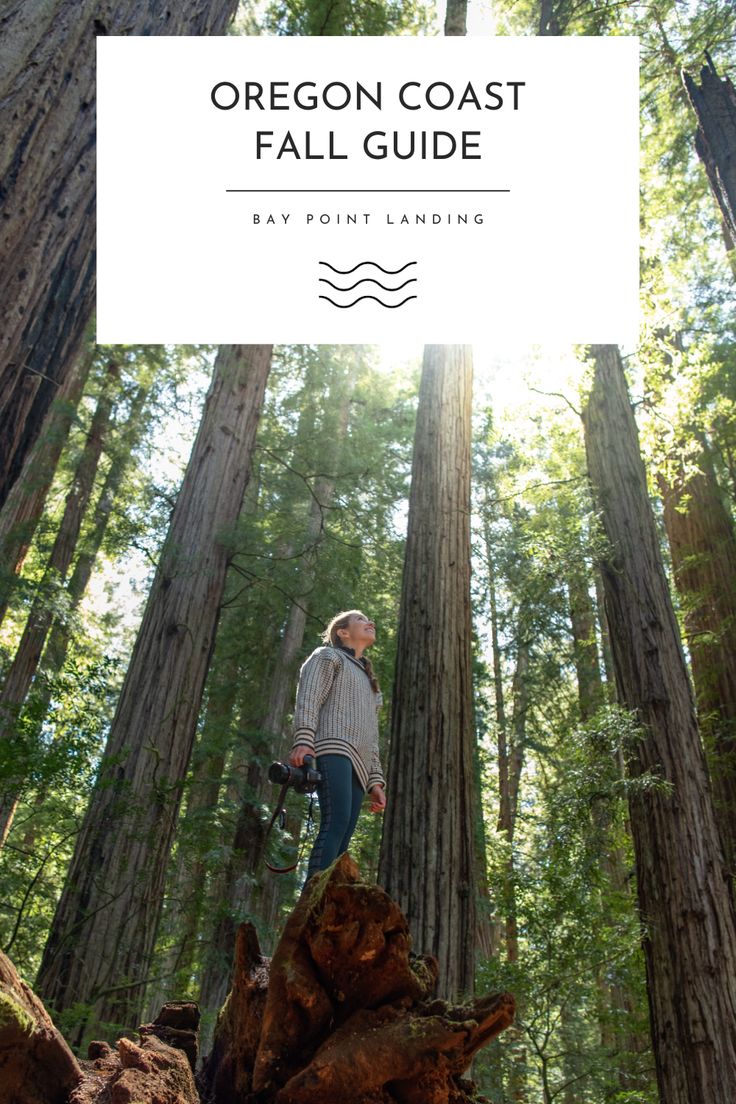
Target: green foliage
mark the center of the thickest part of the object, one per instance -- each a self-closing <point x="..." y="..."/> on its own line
<point x="57" y="753"/>
<point x="347" y="17"/>
<point x="566" y="880"/>
<point x="570" y="911"/>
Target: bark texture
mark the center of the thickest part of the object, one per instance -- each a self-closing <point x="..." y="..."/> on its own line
<point x="427" y="853"/>
<point x="689" y="929"/>
<point x="344" y="1011"/>
<point x="36" y="1065"/>
<point x="703" y="548"/>
<point x="47" y="188"/>
<point x="150" y="1072"/>
<point x="585" y="645"/>
<point x="158" y="1070"/>
<point x="101" y="941"/>
<point x="714" y="103"/>
<point x="456" y="17"/>
<point x="24" y="505"/>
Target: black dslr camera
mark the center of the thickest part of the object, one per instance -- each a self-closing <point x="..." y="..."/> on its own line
<point x="303" y="779"/>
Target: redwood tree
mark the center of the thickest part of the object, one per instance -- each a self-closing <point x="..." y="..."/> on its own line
<point x="427" y="852"/>
<point x="689" y="931"/>
<point x="47" y="186"/>
<point x="100" y="947"/>
<point x="24" y="505"/>
<point x="714" y="103"/>
<point x="703" y="548"/>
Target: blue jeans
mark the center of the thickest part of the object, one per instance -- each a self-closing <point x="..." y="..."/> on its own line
<point x="340" y="796"/>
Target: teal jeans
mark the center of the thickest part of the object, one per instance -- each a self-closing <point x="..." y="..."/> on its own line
<point x="340" y="797"/>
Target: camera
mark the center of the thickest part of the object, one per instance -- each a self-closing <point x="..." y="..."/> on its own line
<point x="304" y="779"/>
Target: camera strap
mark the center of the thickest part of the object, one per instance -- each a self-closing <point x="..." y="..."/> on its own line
<point x="276" y="813"/>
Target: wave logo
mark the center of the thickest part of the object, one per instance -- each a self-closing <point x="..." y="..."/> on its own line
<point x="371" y="273"/>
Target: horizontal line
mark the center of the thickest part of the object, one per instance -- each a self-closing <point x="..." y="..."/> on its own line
<point x="411" y="191"/>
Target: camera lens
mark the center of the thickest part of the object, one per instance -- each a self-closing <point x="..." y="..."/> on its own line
<point x="279" y="772"/>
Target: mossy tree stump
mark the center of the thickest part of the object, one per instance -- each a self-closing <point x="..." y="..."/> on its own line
<point x="36" y="1065"/>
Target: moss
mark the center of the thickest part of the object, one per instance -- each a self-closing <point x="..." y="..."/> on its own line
<point x="14" y="1016"/>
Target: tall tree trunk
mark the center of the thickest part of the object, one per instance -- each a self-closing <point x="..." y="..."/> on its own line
<point x="243" y="896"/>
<point x="703" y="547"/>
<point x="456" y="17"/>
<point x="600" y="603"/>
<point x="24" y="505"/>
<point x="427" y="858"/>
<point x="100" y="947"/>
<point x="714" y="103"/>
<point x="498" y="690"/>
<point x="187" y="896"/>
<point x="549" y="23"/>
<point x="47" y="160"/>
<point x="690" y="933"/>
<point x="585" y="645"/>
<point x="27" y="657"/>
<point x="510" y="763"/>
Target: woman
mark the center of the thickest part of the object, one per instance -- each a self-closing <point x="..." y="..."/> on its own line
<point x="336" y="719"/>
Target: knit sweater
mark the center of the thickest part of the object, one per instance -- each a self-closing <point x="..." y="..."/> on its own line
<point x="337" y="711"/>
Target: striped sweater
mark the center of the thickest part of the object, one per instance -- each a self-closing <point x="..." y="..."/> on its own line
<point x="337" y="712"/>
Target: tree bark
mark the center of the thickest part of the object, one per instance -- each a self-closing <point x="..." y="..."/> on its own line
<point x="28" y="655"/>
<point x="511" y="742"/>
<point x="600" y="603"/>
<point x="100" y="947"/>
<point x="427" y="860"/>
<point x="585" y="645"/>
<point x="456" y="18"/>
<point x="47" y="88"/>
<point x="24" y="505"/>
<point x="36" y="1064"/>
<point x="549" y="23"/>
<point x="690" y="932"/>
<point x="714" y="103"/>
<point x="703" y="548"/>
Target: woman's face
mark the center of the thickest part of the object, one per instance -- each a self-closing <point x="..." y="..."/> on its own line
<point x="360" y="632"/>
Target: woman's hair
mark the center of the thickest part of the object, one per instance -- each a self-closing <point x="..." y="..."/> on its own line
<point x="342" y="621"/>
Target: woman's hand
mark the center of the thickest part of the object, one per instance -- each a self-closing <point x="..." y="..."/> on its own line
<point x="296" y="756"/>
<point x="378" y="799"/>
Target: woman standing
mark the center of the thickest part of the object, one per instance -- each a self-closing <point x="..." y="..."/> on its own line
<point x="336" y="719"/>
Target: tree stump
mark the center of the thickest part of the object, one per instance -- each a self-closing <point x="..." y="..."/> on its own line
<point x="177" y="1025"/>
<point x="159" y="1070"/>
<point x="344" y="1013"/>
<point x="36" y="1065"/>
<point x="149" y="1073"/>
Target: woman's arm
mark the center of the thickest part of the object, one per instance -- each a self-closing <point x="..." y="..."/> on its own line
<point x="376" y="783"/>
<point x="378" y="799"/>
